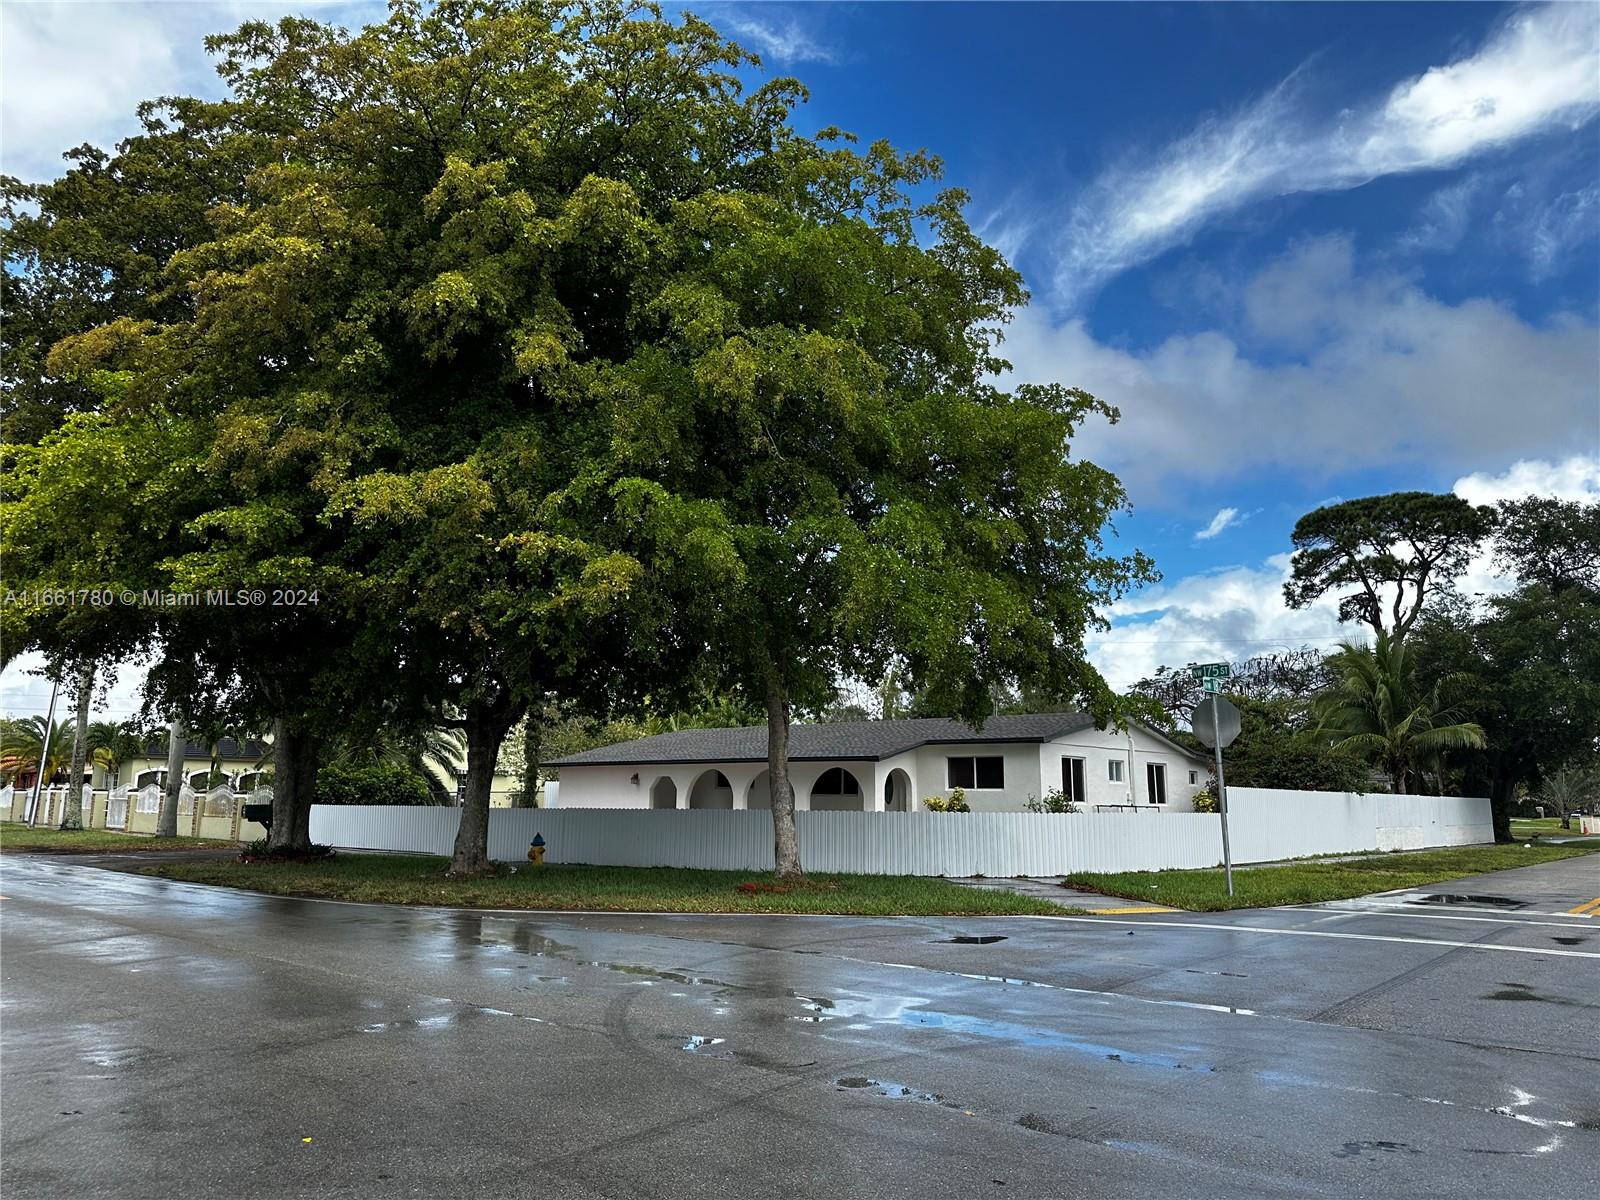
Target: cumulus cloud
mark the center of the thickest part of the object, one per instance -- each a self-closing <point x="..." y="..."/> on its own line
<point x="1534" y="74"/>
<point x="1225" y="518"/>
<point x="75" y="72"/>
<point x="1359" y="371"/>
<point x="1239" y="612"/>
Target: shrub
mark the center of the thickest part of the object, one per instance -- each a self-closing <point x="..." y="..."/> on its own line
<point x="1055" y="801"/>
<point x="378" y="783"/>
<point x="1205" y="800"/>
<point x="955" y="802"/>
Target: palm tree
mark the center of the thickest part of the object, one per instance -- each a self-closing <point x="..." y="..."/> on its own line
<point x="428" y="752"/>
<point x="21" y="739"/>
<point x="113" y="743"/>
<point x="1570" y="788"/>
<point x="1376" y="709"/>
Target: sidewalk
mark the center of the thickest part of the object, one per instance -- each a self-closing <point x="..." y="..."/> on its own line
<point x="1048" y="887"/>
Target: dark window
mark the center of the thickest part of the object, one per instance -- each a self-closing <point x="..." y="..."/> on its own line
<point x="836" y="781"/>
<point x="721" y="780"/>
<point x="1072" y="780"/>
<point x="986" y="772"/>
<point x="1155" y="776"/>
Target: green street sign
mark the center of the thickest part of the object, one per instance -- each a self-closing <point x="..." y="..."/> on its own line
<point x="1210" y="671"/>
<point x="1213" y="684"/>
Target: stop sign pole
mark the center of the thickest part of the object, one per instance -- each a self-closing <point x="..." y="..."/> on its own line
<point x="1217" y="727"/>
<point x="1222" y="795"/>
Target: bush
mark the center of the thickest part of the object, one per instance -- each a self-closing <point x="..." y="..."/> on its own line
<point x="1205" y="800"/>
<point x="1055" y="801"/>
<point x="379" y="783"/>
<point x="955" y="802"/>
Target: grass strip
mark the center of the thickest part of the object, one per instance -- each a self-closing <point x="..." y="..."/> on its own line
<point x="16" y="838"/>
<point x="1311" y="882"/>
<point x="405" y="879"/>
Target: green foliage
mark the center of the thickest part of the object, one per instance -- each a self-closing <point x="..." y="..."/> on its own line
<point x="1053" y="801"/>
<point x="955" y="802"/>
<point x="1571" y="788"/>
<point x="375" y="783"/>
<point x="23" y="740"/>
<point x="1205" y="800"/>
<point x="1384" y="555"/>
<point x="1379" y="711"/>
<point x="1531" y="657"/>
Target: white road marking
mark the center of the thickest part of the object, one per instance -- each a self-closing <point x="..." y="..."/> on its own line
<point x="1325" y="933"/>
<point x="1400" y="911"/>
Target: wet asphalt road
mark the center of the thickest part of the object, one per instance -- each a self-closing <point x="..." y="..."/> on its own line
<point x="167" y="1040"/>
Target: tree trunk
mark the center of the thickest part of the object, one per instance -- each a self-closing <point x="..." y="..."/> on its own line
<point x="167" y="821"/>
<point x="486" y="728"/>
<point x="72" y="816"/>
<point x="1503" y="785"/>
<point x="785" y="845"/>
<point x="295" y="751"/>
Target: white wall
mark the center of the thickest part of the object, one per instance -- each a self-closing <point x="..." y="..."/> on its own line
<point x="1031" y="769"/>
<point x="1264" y="825"/>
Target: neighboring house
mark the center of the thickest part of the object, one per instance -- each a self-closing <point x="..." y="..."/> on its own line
<point x="892" y="765"/>
<point x="243" y="762"/>
<point x="503" y="789"/>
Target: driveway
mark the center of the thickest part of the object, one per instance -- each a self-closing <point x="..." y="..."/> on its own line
<point x="168" y="1040"/>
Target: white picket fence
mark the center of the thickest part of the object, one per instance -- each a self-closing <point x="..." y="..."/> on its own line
<point x="1264" y="825"/>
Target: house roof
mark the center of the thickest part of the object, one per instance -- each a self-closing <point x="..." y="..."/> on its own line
<point x="227" y="748"/>
<point x="835" y="740"/>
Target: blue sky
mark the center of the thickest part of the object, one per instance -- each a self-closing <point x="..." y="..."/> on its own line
<point x="1311" y="251"/>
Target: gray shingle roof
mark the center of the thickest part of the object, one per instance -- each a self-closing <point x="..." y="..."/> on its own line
<point x="841" y="740"/>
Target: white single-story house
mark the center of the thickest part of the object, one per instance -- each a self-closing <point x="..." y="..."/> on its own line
<point x="892" y="766"/>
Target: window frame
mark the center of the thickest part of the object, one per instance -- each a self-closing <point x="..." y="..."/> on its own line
<point x="1152" y="772"/>
<point x="973" y="760"/>
<point x="1114" y="770"/>
<point x="1075" y="778"/>
<point x="818" y="790"/>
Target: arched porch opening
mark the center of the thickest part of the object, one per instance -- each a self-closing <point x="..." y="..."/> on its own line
<point x="760" y="794"/>
<point x="711" y="790"/>
<point x="897" y="792"/>
<point x="664" y="793"/>
<point x="836" y="790"/>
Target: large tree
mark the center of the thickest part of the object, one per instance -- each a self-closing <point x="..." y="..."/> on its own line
<point x="1384" y="556"/>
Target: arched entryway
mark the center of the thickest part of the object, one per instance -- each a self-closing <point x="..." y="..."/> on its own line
<point x="760" y="795"/>
<point x="664" y="793"/>
<point x="711" y="790"/>
<point x="836" y="790"/>
<point x="897" y="792"/>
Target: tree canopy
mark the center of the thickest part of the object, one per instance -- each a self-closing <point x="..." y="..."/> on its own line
<point x="553" y="362"/>
<point x="1384" y="556"/>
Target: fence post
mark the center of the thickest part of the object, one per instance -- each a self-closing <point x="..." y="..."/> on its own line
<point x="238" y="812"/>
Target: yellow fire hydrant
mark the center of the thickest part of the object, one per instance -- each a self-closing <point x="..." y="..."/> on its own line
<point x="536" y="850"/>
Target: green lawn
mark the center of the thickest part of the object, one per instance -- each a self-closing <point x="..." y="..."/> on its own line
<point x="1310" y="882"/>
<point x="402" y="879"/>
<point x="43" y="840"/>
<point x="1534" y="827"/>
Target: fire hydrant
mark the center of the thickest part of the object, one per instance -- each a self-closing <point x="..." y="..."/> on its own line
<point x="536" y="850"/>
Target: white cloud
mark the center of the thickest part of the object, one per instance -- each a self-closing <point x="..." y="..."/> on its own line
<point x="1535" y="74"/>
<point x="1575" y="478"/>
<point x="1225" y="518"/>
<point x="780" y="38"/>
<point x="1366" y="371"/>
<point x="1444" y="219"/>
<point x="1239" y="612"/>
<point x="75" y="72"/>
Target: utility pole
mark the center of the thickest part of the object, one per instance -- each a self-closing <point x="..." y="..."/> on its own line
<point x="44" y="752"/>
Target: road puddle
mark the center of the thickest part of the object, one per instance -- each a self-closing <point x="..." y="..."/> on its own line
<point x="889" y="1090"/>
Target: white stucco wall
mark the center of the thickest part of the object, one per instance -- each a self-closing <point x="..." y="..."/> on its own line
<point x="1031" y="769"/>
<point x="1100" y="747"/>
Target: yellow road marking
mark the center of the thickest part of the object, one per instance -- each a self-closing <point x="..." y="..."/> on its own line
<point x="1095" y="912"/>
<point x="1587" y="908"/>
